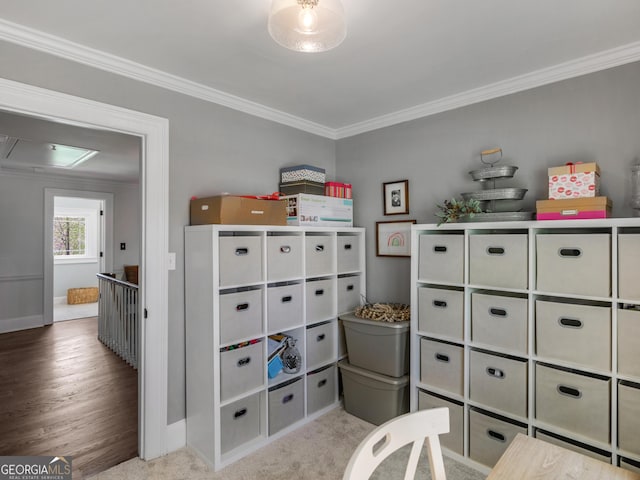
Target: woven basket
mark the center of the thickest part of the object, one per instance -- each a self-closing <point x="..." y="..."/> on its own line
<point x="131" y="273"/>
<point x="76" y="296"/>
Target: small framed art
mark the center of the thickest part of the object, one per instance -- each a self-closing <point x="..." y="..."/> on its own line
<point x="396" y="197"/>
<point x="393" y="239"/>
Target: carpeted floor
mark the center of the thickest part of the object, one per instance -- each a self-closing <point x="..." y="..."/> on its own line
<point x="319" y="450"/>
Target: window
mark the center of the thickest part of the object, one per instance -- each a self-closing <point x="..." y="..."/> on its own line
<point x="69" y="236"/>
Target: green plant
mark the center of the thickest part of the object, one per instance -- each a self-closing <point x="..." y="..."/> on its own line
<point x="453" y="210"/>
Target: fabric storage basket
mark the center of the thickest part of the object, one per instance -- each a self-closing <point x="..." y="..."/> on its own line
<point x="489" y="436"/>
<point x="441" y="365"/>
<point x="284" y="257"/>
<point x="441" y="312"/>
<point x="629" y="269"/>
<point x="454" y="440"/>
<point x="348" y="293"/>
<point x="348" y="253"/>
<point x="319" y="253"/>
<point x="584" y="449"/>
<point x="629" y="417"/>
<point x="319" y="297"/>
<point x="321" y="388"/>
<point x="499" y="321"/>
<point x="629" y="342"/>
<point x="241" y="369"/>
<point x="240" y="260"/>
<point x="321" y="344"/>
<point x="499" y="260"/>
<point x="284" y="306"/>
<point x="441" y="258"/>
<point x="240" y="315"/>
<point x="240" y="422"/>
<point x="286" y="405"/>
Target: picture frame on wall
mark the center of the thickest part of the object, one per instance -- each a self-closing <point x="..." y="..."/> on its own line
<point x="393" y="238"/>
<point x="396" y="197"/>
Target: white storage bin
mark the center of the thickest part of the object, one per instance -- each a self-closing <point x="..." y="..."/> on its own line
<point x="321" y="344"/>
<point x="348" y="293"/>
<point x="629" y="418"/>
<point x="575" y="403"/>
<point x="240" y="315"/>
<point x="629" y="266"/>
<point x="631" y="465"/>
<point x="454" y="440"/>
<point x="240" y="422"/>
<point x="441" y="258"/>
<point x="441" y="365"/>
<point x="240" y="260"/>
<point x="498" y="260"/>
<point x="498" y="382"/>
<point x="441" y="312"/>
<point x="284" y="307"/>
<point x="565" y="443"/>
<point x="579" y="334"/>
<point x="629" y="342"/>
<point x="286" y="405"/>
<point x="348" y="253"/>
<point x="320" y="298"/>
<point x="321" y="389"/>
<point x="241" y="370"/>
<point x="499" y="321"/>
<point x="319" y="255"/>
<point x="489" y="437"/>
<point x="574" y="263"/>
<point x="284" y="257"/>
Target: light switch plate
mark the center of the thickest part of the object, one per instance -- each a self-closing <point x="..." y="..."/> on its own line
<point x="172" y="260"/>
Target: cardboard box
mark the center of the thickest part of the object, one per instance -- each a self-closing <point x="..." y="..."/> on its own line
<point x="230" y="210"/>
<point x="319" y="210"/>
<point x="575" y="208"/>
<point x="302" y="172"/>
<point x="580" y="180"/>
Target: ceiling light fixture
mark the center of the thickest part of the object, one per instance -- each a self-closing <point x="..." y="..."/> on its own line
<point x="307" y="25"/>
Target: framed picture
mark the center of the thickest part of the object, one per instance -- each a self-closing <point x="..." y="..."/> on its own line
<point x="393" y="239"/>
<point x="396" y="197"/>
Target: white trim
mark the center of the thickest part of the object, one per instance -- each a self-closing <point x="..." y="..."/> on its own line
<point x="176" y="435"/>
<point x="21" y="323"/>
<point x="154" y="132"/>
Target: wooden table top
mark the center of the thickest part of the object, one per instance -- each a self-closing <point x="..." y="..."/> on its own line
<point x="528" y="458"/>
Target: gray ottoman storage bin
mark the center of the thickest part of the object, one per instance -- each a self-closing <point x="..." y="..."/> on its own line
<point x="286" y="405"/>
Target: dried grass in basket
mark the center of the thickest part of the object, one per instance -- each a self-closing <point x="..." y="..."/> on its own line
<point x="384" y="312"/>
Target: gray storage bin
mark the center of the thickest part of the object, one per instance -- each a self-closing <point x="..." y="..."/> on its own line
<point x="575" y="403"/>
<point x="441" y="312"/>
<point x="240" y="315"/>
<point x="584" y="450"/>
<point x="240" y="260"/>
<point x="629" y="266"/>
<point x="498" y="382"/>
<point x="241" y="370"/>
<point x="286" y="405"/>
<point x="373" y="397"/>
<point x="348" y="253"/>
<point x="284" y="257"/>
<point x="348" y="293"/>
<point x="499" y="321"/>
<point x="629" y="418"/>
<point x="574" y="263"/>
<point x="382" y="347"/>
<point x="631" y="465"/>
<point x="320" y="300"/>
<point x="499" y="260"/>
<point x="342" y="339"/>
<point x="454" y="440"/>
<point x="489" y="437"/>
<point x="321" y="389"/>
<point x="579" y="334"/>
<point x="442" y="365"/>
<point x="321" y="341"/>
<point x="319" y="255"/>
<point x="284" y="307"/>
<point x="629" y="342"/>
<point x="441" y="258"/>
<point x="240" y="422"/>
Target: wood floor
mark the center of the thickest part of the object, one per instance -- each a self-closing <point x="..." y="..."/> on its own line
<point x="64" y="393"/>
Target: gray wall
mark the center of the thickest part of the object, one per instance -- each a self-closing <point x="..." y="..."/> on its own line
<point x="590" y="118"/>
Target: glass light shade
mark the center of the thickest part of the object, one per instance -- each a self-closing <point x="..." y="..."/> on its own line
<point x="303" y="27"/>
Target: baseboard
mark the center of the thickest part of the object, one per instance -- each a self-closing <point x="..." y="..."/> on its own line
<point x="60" y="300"/>
<point x="176" y="435"/>
<point x="21" y="323"/>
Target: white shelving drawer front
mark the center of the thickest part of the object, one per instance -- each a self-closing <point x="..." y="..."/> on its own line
<point x="631" y="465"/>
<point x="321" y="341"/>
<point x="454" y="440"/>
<point x="579" y="334"/>
<point x="240" y="315"/>
<point x="629" y="418"/>
<point x="319" y="255"/>
<point x="498" y="260"/>
<point x="441" y="312"/>
<point x="499" y="321"/>
<point x="348" y="253"/>
<point x="320" y="302"/>
<point x="574" y="447"/>
<point x="241" y="370"/>
<point x="348" y="293"/>
<point x="240" y="422"/>
<point x="284" y="306"/>
<point x="629" y="342"/>
<point x="442" y="365"/>
<point x="240" y="260"/>
<point x="629" y="266"/>
<point x="489" y="437"/>
<point x="286" y="405"/>
<point x="284" y="257"/>
<point x="574" y="263"/>
<point x="499" y="382"/>
<point x="441" y="258"/>
<point x="573" y="402"/>
<point x="321" y="389"/>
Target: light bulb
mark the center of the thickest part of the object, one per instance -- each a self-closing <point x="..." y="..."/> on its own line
<point x="307" y="20"/>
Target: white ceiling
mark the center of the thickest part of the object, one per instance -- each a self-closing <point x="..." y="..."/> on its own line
<point x="401" y="59"/>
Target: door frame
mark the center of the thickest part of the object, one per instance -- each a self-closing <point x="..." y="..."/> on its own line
<point x="154" y="185"/>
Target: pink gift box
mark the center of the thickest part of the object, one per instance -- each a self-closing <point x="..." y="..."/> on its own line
<point x="581" y="180"/>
